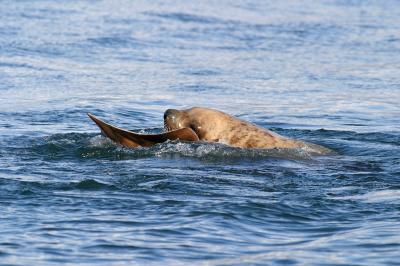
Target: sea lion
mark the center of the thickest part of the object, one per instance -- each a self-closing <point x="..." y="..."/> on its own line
<point x="216" y="126"/>
<point x="209" y="125"/>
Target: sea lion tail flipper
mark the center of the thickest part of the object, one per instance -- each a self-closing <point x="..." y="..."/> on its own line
<point x="131" y="139"/>
<point x="116" y="134"/>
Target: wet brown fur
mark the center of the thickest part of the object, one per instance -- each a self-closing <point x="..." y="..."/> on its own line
<point x="216" y="126"/>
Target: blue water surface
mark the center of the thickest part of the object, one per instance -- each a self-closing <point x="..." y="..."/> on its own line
<point x="322" y="71"/>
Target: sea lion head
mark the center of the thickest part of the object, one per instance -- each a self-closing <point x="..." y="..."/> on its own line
<point x="206" y="123"/>
<point x="176" y="119"/>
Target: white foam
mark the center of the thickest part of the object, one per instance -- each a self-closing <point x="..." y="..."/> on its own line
<point x="388" y="195"/>
<point x="100" y="141"/>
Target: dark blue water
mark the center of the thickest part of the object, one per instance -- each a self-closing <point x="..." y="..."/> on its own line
<point x="325" y="72"/>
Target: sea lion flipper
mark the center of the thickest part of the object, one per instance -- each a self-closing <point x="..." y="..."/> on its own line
<point x="130" y="139"/>
<point x="185" y="133"/>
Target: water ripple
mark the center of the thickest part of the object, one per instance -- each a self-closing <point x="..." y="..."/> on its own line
<point x="325" y="72"/>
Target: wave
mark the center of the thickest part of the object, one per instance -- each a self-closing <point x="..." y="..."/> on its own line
<point x="92" y="145"/>
<point x="83" y="145"/>
<point x="386" y="195"/>
<point x="30" y="187"/>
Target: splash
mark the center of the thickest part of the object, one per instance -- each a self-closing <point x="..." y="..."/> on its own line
<point x="201" y="150"/>
<point x="82" y="145"/>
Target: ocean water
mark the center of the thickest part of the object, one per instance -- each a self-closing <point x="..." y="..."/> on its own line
<point x="322" y="71"/>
